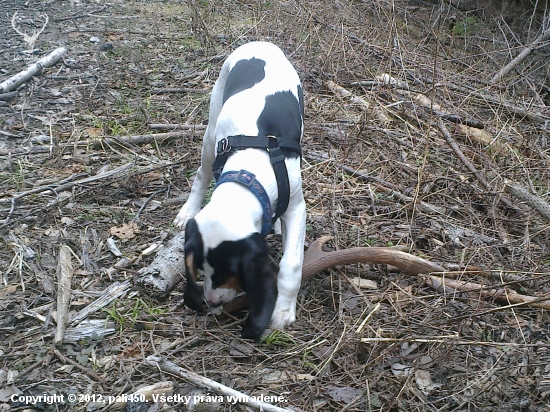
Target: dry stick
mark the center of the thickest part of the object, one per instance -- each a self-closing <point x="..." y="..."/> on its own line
<point x="119" y="171"/>
<point x="342" y="92"/>
<point x="8" y="96"/>
<point x="545" y="35"/>
<point x="137" y="139"/>
<point x="198" y="380"/>
<point x="113" y="292"/>
<point x="451" y="339"/>
<point x="450" y="141"/>
<point x="149" y="393"/>
<point x="30" y="150"/>
<point x="385" y="187"/>
<point x="501" y="294"/>
<point x="34" y="69"/>
<point x="425" y="102"/>
<point x="64" y="276"/>
<point x="178" y="126"/>
<point x="536" y="202"/>
<point x="86" y="370"/>
<point x="89" y="329"/>
<point x="180" y="90"/>
<point x="102" y="142"/>
<point x="469" y="165"/>
<point x="520" y="111"/>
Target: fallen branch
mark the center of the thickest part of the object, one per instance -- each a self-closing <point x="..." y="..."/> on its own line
<point x="316" y="260"/>
<point x="64" y="185"/>
<point x="545" y="35"/>
<point x="385" y="187"/>
<point x="89" y="329"/>
<point x="148" y="393"/>
<point x="176" y="126"/>
<point x="485" y="98"/>
<point x="202" y="381"/>
<point x="137" y="140"/>
<point x="499" y="294"/>
<point x="342" y="92"/>
<point x="166" y="271"/>
<point x="64" y="276"/>
<point x="533" y="200"/>
<point x="469" y="165"/>
<point x="423" y="101"/>
<point x="8" y="96"/>
<point x="113" y="292"/>
<point x="483" y="138"/>
<point x="51" y="59"/>
<point x="180" y="90"/>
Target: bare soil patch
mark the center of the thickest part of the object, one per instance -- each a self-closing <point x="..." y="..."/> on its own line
<point x="386" y="165"/>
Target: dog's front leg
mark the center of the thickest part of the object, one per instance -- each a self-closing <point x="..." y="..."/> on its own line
<point x="290" y="268"/>
<point x="204" y="173"/>
<point x="202" y="180"/>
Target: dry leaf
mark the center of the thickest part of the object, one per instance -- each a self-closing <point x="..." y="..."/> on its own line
<point x="7" y="291"/>
<point x="345" y="394"/>
<point x="126" y="231"/>
<point x="94" y="131"/>
<point x="51" y="232"/>
<point x="364" y="283"/>
<point x="424" y="381"/>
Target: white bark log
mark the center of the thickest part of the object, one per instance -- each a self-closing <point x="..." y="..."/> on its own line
<point x="64" y="276"/>
<point x="51" y="59"/>
<point x="167" y="270"/>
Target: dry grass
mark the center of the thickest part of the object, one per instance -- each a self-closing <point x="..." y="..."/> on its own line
<point x="365" y="183"/>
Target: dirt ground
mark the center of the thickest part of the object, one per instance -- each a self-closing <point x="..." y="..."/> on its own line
<point x="429" y="160"/>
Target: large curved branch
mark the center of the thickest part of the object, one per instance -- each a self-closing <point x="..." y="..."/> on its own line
<point x="316" y="260"/>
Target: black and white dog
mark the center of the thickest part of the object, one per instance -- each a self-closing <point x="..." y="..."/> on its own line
<point x="255" y="126"/>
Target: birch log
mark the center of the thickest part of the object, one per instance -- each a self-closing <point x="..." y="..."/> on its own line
<point x="545" y="35"/>
<point x="167" y="270"/>
<point x="64" y="276"/>
<point x="48" y="61"/>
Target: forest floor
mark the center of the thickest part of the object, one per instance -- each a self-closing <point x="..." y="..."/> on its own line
<point x="427" y="152"/>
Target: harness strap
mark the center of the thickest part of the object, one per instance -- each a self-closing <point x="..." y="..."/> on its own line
<point x="283" y="186"/>
<point x="248" y="180"/>
<point x="273" y="145"/>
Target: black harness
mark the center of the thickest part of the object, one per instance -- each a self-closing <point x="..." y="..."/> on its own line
<point x="273" y="145"/>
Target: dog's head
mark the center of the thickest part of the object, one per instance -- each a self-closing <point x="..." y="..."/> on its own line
<point x="229" y="268"/>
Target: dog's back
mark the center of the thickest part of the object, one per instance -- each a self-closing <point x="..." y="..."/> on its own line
<point x="262" y="94"/>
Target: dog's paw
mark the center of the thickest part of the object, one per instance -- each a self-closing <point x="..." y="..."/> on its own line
<point x="252" y="331"/>
<point x="184" y="215"/>
<point x="284" y="314"/>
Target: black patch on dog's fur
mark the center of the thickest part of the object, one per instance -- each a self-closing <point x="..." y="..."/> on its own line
<point x="281" y="117"/>
<point x="247" y="260"/>
<point x="194" y="250"/>
<point x="244" y="75"/>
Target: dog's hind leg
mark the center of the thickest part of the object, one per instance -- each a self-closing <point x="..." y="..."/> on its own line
<point x="204" y="173"/>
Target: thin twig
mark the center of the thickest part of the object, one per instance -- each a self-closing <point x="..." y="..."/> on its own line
<point x="202" y="381"/>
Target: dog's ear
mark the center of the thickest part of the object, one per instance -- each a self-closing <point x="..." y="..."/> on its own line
<point x="260" y="285"/>
<point x="194" y="259"/>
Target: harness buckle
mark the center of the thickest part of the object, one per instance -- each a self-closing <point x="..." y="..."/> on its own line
<point x="223" y="146"/>
<point x="246" y="178"/>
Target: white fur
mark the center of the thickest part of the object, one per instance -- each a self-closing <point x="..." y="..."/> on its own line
<point x="233" y="212"/>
